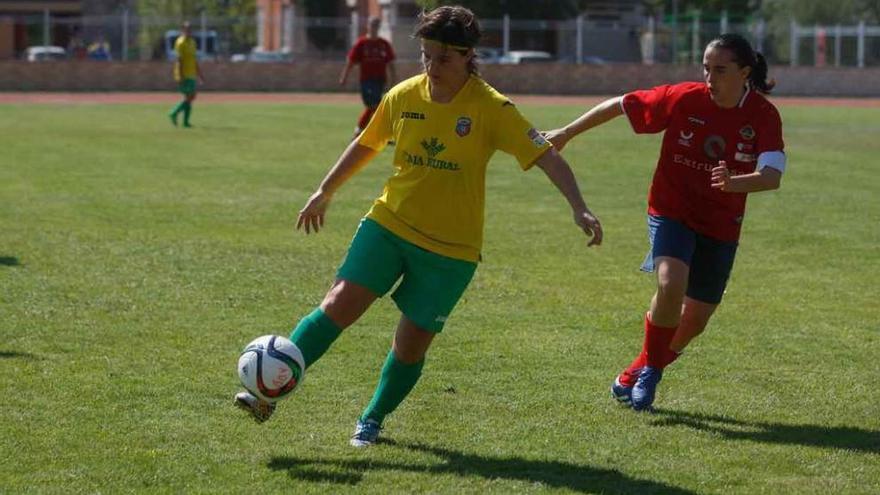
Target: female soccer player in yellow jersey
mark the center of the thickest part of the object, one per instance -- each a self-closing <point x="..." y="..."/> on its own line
<point x="186" y="70"/>
<point x="427" y="226"/>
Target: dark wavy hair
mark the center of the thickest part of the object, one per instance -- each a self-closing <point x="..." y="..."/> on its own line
<point x="451" y="25"/>
<point x="745" y="56"/>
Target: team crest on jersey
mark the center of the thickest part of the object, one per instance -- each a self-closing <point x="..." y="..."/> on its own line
<point x="463" y="126"/>
<point x="684" y="138"/>
<point x="714" y="147"/>
<point x="747" y="133"/>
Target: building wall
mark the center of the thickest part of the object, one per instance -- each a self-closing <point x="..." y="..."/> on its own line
<point x="323" y="76"/>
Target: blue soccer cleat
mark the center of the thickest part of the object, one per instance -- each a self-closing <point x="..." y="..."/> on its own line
<point x="645" y="388"/>
<point x="621" y="393"/>
<point x="366" y="433"/>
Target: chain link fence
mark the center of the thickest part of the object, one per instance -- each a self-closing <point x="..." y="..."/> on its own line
<point x="128" y="37"/>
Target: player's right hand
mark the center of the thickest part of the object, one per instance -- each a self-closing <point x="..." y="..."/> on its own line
<point x="312" y="214"/>
<point x="590" y="225"/>
<point x="557" y="137"/>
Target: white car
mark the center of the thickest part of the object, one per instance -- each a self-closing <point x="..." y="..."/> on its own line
<point x="488" y="55"/>
<point x="525" y="57"/>
<point x="45" y="53"/>
<point x="257" y="55"/>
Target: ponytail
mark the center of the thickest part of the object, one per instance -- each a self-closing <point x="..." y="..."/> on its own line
<point x="758" y="75"/>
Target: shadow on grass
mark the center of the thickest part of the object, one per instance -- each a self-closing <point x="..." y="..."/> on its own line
<point x="19" y="355"/>
<point x="834" y="437"/>
<point x="577" y="477"/>
<point x="9" y="261"/>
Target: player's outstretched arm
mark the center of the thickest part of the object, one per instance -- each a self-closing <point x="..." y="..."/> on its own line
<point x="392" y="74"/>
<point x="354" y="158"/>
<point x="560" y="174"/>
<point x="344" y="76"/>
<point x="598" y="115"/>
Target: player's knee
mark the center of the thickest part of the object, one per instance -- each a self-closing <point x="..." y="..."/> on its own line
<point x="345" y="302"/>
<point x="671" y="289"/>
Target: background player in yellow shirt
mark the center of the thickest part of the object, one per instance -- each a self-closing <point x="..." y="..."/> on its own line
<point x="186" y="70"/>
<point x="426" y="229"/>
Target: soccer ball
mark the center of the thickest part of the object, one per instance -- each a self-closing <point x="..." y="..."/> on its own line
<point x="271" y="367"/>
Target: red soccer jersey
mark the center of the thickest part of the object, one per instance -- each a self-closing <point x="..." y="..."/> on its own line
<point x="373" y="55"/>
<point x="699" y="133"/>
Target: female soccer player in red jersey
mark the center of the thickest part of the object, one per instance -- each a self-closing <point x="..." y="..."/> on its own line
<point x="722" y="140"/>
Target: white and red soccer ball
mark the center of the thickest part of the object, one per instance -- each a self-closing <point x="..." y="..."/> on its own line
<point x="271" y="367"/>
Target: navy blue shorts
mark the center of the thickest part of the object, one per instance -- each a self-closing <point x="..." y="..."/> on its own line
<point x="371" y="91"/>
<point x="710" y="260"/>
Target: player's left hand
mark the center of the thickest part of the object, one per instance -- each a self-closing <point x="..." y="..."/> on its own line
<point x="721" y="176"/>
<point x="590" y="225"/>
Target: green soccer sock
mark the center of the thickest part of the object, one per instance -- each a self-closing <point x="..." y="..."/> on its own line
<point x="395" y="383"/>
<point x="314" y="334"/>
<point x="187" y="111"/>
<point x="177" y="108"/>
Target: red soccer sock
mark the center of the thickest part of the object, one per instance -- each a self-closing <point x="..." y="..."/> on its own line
<point x="629" y="376"/>
<point x="657" y="340"/>
<point x="365" y="118"/>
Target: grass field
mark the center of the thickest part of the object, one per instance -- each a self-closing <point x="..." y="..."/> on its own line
<point x="137" y="259"/>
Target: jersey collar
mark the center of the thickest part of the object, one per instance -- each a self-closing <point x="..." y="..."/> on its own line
<point x="742" y="101"/>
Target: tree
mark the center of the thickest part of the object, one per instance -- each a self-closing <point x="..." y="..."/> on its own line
<point x="517" y="9"/>
<point x="235" y="19"/>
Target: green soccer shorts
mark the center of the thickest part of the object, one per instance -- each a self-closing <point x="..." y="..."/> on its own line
<point x="431" y="284"/>
<point x="187" y="86"/>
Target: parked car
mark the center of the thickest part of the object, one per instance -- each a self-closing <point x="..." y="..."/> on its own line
<point x="525" y="57"/>
<point x="45" y="53"/>
<point x="208" y="38"/>
<point x="488" y="55"/>
<point x="260" y="56"/>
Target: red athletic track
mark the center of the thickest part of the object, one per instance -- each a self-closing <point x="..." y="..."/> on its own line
<point x="220" y="97"/>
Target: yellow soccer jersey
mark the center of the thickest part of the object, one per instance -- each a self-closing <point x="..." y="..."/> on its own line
<point x="436" y="195"/>
<point x="185" y="48"/>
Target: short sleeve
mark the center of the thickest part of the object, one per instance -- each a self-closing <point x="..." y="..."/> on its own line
<point x="380" y="129"/>
<point x="178" y="48"/>
<point x="770" y="132"/>
<point x="770" y="147"/>
<point x="650" y="110"/>
<point x="513" y="134"/>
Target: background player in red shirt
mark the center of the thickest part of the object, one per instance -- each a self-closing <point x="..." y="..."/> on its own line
<point x="376" y="59"/>
<point x="722" y="140"/>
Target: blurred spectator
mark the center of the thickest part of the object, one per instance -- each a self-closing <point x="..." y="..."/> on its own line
<point x="76" y="48"/>
<point x="100" y="49"/>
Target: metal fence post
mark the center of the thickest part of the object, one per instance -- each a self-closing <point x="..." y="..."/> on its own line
<point x="695" y="37"/>
<point x="46" y="21"/>
<point x="794" y="40"/>
<point x="723" y="21"/>
<point x="353" y="28"/>
<point x="579" y="49"/>
<point x="837" y="36"/>
<point x="203" y="22"/>
<point x="674" y="31"/>
<point x="124" y="56"/>
<point x="759" y="42"/>
<point x="506" y="33"/>
<point x="861" y="45"/>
